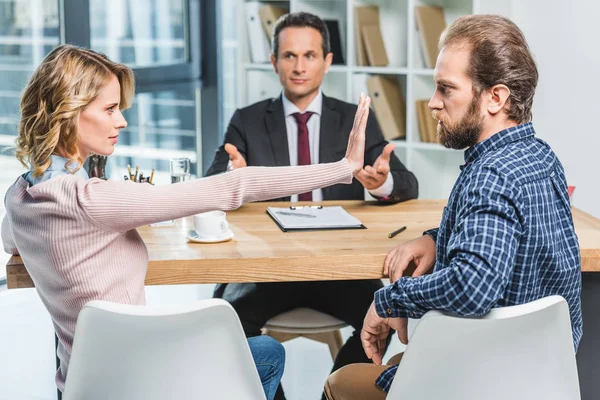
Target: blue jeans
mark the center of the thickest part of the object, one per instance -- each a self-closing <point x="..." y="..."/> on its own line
<point x="269" y="357"/>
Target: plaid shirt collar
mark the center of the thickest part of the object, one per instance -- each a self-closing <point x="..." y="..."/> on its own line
<point x="498" y="140"/>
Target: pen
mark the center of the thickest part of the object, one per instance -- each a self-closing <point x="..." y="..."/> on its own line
<point x="397" y="231"/>
<point x="296" y="214"/>
<point x="152" y="176"/>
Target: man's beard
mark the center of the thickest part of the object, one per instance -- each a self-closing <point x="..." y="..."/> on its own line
<point x="465" y="133"/>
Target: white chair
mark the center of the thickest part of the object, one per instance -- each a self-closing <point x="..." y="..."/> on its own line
<point x="308" y="323"/>
<point x="129" y="352"/>
<point x="519" y="352"/>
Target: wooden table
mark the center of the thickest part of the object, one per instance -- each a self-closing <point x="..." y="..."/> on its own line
<point x="261" y="252"/>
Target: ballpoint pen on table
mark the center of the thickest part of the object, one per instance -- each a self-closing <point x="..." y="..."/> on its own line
<point x="397" y="231"/>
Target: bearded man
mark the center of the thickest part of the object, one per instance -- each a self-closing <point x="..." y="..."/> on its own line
<point x="506" y="236"/>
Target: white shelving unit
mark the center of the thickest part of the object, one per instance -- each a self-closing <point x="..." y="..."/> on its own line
<point x="436" y="167"/>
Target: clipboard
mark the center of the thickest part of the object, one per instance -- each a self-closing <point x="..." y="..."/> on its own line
<point x="313" y="218"/>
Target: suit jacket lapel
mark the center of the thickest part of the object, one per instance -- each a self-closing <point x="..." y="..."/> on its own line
<point x="332" y="141"/>
<point x="275" y="123"/>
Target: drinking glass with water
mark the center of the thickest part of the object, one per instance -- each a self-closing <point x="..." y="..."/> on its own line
<point x="180" y="169"/>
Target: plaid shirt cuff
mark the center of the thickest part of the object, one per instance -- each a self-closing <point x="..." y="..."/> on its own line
<point x="386" y="378"/>
<point x="384" y="304"/>
<point x="393" y="301"/>
<point x="433" y="233"/>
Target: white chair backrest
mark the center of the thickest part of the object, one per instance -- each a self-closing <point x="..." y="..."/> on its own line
<point x="518" y="352"/>
<point x="196" y="351"/>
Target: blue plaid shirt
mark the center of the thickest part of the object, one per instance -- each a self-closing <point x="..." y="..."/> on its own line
<point x="506" y="238"/>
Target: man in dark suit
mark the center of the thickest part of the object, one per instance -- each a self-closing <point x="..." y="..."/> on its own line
<point x="303" y="126"/>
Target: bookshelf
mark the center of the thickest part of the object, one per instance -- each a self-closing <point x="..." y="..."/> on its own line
<point x="436" y="167"/>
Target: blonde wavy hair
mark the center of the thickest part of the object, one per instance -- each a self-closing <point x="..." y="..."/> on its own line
<point x="66" y="81"/>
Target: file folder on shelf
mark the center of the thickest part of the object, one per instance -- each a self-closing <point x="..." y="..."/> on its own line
<point x="364" y="16"/>
<point x="269" y="14"/>
<point x="388" y="104"/>
<point x="335" y="41"/>
<point x="374" y="46"/>
<point x="431" y="23"/>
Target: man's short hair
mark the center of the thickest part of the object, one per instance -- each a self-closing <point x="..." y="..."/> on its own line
<point x="301" y="20"/>
<point x="499" y="54"/>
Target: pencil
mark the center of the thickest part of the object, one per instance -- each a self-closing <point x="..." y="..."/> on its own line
<point x="152" y="176"/>
<point x="135" y="178"/>
<point x="397" y="231"/>
<point x="129" y="170"/>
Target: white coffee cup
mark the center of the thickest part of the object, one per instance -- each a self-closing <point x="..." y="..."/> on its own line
<point x="211" y="224"/>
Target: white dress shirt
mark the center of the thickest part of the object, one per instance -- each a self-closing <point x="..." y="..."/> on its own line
<point x="314" y="132"/>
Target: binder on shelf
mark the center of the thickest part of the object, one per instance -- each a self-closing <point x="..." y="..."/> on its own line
<point x="309" y="218"/>
<point x="363" y="16"/>
<point x="269" y="14"/>
<point x="335" y="40"/>
<point x="388" y="104"/>
<point x="259" y="45"/>
<point x="430" y="24"/>
<point x="374" y="46"/>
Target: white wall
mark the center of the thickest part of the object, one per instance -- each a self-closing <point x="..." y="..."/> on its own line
<point x="563" y="37"/>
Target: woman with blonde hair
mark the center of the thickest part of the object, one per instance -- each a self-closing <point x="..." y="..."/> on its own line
<point x="77" y="235"/>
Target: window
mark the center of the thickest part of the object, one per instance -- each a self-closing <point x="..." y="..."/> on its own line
<point x="162" y="124"/>
<point x="132" y="33"/>
<point x="155" y="38"/>
<point x="229" y="51"/>
<point x="29" y="29"/>
<point x="161" y="40"/>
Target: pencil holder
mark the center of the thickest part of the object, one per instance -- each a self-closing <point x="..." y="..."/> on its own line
<point x="138" y="176"/>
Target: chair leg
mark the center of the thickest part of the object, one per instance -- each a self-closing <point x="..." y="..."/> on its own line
<point x="58" y="392"/>
<point x="280" y="336"/>
<point x="333" y="339"/>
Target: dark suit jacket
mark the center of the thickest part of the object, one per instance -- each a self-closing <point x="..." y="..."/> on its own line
<point x="259" y="133"/>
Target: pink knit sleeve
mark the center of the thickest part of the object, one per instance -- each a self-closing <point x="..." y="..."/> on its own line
<point x="122" y="205"/>
<point x="7" y="237"/>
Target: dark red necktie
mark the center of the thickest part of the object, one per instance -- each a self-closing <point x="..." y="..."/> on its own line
<point x="303" y="146"/>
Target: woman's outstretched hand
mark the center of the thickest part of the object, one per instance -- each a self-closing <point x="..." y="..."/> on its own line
<point x="355" y="153"/>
